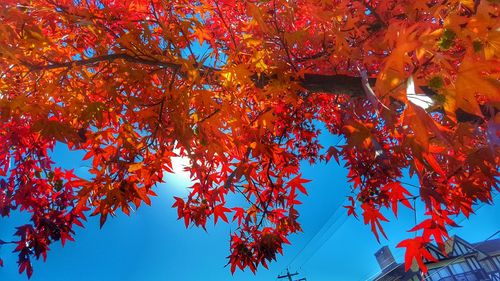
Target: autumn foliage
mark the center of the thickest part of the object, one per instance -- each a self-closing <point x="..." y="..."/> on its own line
<point x="241" y="88"/>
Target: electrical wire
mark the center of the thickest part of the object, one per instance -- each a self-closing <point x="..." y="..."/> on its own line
<point x="327" y="229"/>
<point x="326" y="240"/>
<point x="325" y="226"/>
<point x="493" y="235"/>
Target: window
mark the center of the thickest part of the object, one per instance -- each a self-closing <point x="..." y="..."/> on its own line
<point x="470" y="276"/>
<point x="459" y="267"/>
<point x="488" y="266"/>
<point x="433" y="275"/>
<point x="438" y="274"/>
<point x="444" y="272"/>
<point x="473" y="263"/>
<point x="497" y="261"/>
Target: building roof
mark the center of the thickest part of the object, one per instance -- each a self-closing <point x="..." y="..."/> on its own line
<point x="488" y="247"/>
<point x="398" y="272"/>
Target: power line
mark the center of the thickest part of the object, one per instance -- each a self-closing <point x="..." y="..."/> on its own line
<point x="330" y="225"/>
<point x="323" y="226"/>
<point x="335" y="220"/>
<point x="326" y="240"/>
<point x="493" y="235"/>
<point x="345" y="219"/>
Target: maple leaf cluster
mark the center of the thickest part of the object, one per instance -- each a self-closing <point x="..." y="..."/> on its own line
<point x="240" y="88"/>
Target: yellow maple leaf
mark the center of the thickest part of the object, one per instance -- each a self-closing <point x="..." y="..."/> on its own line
<point x="468" y="3"/>
<point x="473" y="78"/>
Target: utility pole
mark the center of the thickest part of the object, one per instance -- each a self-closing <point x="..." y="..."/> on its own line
<point x="289" y="276"/>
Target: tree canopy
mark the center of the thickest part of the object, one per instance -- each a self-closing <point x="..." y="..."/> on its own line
<point x="241" y="88"/>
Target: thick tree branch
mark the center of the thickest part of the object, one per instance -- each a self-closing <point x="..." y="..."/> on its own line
<point x="335" y="84"/>
<point x="338" y="84"/>
<point x="321" y="83"/>
<point x="314" y="83"/>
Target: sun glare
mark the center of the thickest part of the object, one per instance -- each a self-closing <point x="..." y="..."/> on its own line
<point x="180" y="177"/>
<point x="419" y="100"/>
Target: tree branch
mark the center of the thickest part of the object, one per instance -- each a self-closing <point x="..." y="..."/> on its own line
<point x="334" y="84"/>
<point x="108" y="58"/>
<point x="311" y="82"/>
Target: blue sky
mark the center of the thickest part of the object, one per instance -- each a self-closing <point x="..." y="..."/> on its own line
<point x="152" y="245"/>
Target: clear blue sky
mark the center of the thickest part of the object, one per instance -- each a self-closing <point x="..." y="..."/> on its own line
<point x="152" y="245"/>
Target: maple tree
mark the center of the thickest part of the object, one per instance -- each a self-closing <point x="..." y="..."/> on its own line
<point x="126" y="82"/>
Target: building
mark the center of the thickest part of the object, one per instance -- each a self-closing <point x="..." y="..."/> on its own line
<point x="463" y="261"/>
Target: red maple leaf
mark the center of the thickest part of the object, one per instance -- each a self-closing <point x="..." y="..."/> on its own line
<point x="415" y="250"/>
<point x="373" y="216"/>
